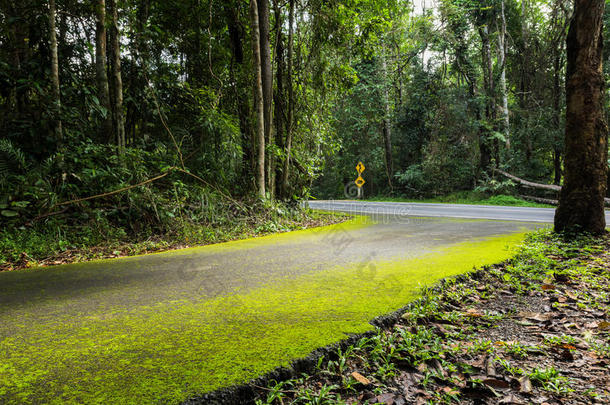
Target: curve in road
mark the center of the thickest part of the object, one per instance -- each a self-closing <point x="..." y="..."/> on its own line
<point x="164" y="327"/>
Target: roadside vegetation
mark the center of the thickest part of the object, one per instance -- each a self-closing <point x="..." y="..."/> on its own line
<point x="534" y="329"/>
<point x="471" y="198"/>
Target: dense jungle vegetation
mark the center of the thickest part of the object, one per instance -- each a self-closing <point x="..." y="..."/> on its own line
<point x="176" y="120"/>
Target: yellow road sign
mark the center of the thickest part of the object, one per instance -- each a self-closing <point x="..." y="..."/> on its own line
<point x="360" y="182"/>
<point x="360" y="168"/>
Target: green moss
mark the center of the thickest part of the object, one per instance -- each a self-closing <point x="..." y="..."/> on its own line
<point x="171" y="350"/>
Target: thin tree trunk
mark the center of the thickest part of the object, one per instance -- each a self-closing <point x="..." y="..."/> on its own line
<point x="387" y="129"/>
<point x="487" y="63"/>
<point x="267" y="78"/>
<point x="236" y="35"/>
<point x="290" y="118"/>
<point x="117" y="82"/>
<point x="258" y="99"/>
<point x="101" y="69"/>
<point x="525" y="79"/>
<point x="55" y="74"/>
<point x="581" y="202"/>
<point x="502" y="63"/>
<point x="279" y="101"/>
<point x="556" y="118"/>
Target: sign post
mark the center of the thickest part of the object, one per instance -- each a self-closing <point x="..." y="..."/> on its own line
<point x="360" y="181"/>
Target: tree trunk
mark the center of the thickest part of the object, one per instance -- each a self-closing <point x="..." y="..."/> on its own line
<point x="279" y="103"/>
<point x="556" y="118"/>
<point x="502" y="63"/>
<point x="581" y="202"/>
<point x="387" y="129"/>
<point x="117" y="81"/>
<point x="57" y="127"/>
<point x="236" y="35"/>
<point x="267" y="81"/>
<point x="258" y="100"/>
<point x="101" y="70"/>
<point x="487" y="62"/>
<point x="290" y="118"/>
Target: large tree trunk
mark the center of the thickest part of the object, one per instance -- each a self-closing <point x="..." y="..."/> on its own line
<point x="258" y="100"/>
<point x="57" y="128"/>
<point x="100" y="69"/>
<point x="290" y="118"/>
<point x="387" y="125"/>
<point x="502" y="63"/>
<point x="117" y="81"/>
<point x="581" y="202"/>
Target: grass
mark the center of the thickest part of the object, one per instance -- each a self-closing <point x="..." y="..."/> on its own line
<point x="470" y="198"/>
<point x="173" y="349"/>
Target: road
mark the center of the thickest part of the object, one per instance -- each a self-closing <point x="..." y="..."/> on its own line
<point x="163" y="327"/>
<point x="490" y="212"/>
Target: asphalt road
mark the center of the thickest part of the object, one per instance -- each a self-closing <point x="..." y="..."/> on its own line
<point x="522" y="214"/>
<point x="169" y="317"/>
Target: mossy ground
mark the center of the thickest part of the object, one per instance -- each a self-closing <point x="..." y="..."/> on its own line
<point x="175" y="349"/>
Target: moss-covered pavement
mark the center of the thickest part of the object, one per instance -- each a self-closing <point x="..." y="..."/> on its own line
<point x="166" y="327"/>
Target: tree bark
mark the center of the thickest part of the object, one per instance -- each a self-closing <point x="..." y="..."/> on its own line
<point x="279" y="101"/>
<point x="258" y="100"/>
<point x="267" y="80"/>
<point x="57" y="127"/>
<point x="117" y="81"/>
<point x="290" y="115"/>
<point x="581" y="201"/>
<point x="101" y="69"/>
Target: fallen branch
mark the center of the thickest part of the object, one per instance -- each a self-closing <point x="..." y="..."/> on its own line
<point x="49" y="214"/>
<point x="113" y="192"/>
<point x="169" y="170"/>
<point x="551" y="187"/>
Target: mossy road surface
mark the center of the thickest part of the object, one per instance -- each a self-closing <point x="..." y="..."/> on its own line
<point x="166" y="327"/>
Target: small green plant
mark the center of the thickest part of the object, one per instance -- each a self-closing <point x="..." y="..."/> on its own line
<point x="276" y="393"/>
<point x="550" y="380"/>
<point x="517" y="349"/>
<point x="324" y="396"/>
<point x="559" y="340"/>
<point x="505" y="364"/>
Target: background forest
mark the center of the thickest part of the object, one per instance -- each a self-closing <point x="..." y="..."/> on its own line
<point x="186" y="115"/>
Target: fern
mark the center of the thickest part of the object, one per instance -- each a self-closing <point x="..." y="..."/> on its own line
<point x="12" y="159"/>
